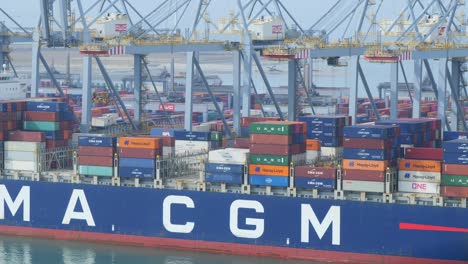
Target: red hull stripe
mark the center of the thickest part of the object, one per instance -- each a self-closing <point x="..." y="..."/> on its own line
<point x="411" y="226"/>
<point x="215" y="247"/>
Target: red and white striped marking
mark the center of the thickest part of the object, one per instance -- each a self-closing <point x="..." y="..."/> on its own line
<point x="405" y="56"/>
<point x="117" y="50"/>
<point x="303" y="54"/>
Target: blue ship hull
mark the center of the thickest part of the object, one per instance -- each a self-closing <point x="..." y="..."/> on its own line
<point x="284" y="227"/>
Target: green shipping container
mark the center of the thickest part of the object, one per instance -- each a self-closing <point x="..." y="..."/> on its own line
<point x="278" y="160"/>
<point x="41" y="126"/>
<point x="454" y="180"/>
<point x="265" y="128"/>
<point x="96" y="171"/>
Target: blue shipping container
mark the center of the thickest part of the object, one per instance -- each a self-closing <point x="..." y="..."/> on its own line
<point x="224" y="168"/>
<point x="328" y="141"/>
<point x="406" y="126"/>
<point x="229" y="178"/>
<point x="455" y="146"/>
<point x="163" y="131"/>
<point x="367" y="154"/>
<point x="451" y="135"/>
<point x="329" y="121"/>
<point x="191" y="135"/>
<point x="96" y="141"/>
<point x="132" y="172"/>
<point x="46" y="106"/>
<point x="314" y="183"/>
<point x="138" y="163"/>
<point x="379" y="132"/>
<point x="455" y="158"/>
<point x="269" y="180"/>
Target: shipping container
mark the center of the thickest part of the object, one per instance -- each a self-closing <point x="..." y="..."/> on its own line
<point x="224" y="168"/>
<point x="229" y="155"/>
<point x="241" y="143"/>
<point x="163" y="131"/>
<point x="265" y="159"/>
<point x="314" y="183"/>
<point x="96" y="151"/>
<point x="363" y="186"/>
<point x="455" y="158"/>
<point x="368" y="143"/>
<point x="192" y="135"/>
<point x="21" y="155"/>
<point x="21" y="165"/>
<point x="96" y="141"/>
<point x="376" y="132"/>
<point x="315" y="172"/>
<point x="32" y="136"/>
<point x="331" y="151"/>
<point x="96" y="161"/>
<point x="185" y="146"/>
<point x="24" y="146"/>
<point x="455" y="169"/>
<point x="455" y="180"/>
<point x="419" y="187"/>
<point x="96" y="170"/>
<point x="228" y="178"/>
<point x="141" y="153"/>
<point x="313" y="144"/>
<point x="371" y="165"/>
<point x="271" y="139"/>
<point x="140" y="142"/>
<point x="136" y="172"/>
<point x="42" y="116"/>
<point x="46" y="106"/>
<point x="331" y="121"/>
<point x="367" y="154"/>
<point x="53" y="135"/>
<point x="138" y="163"/>
<point x="277" y="128"/>
<point x="454" y="191"/>
<point x="424" y="153"/>
<point x="364" y="175"/>
<point x="420" y="165"/>
<point x="268" y="180"/>
<point x="419" y="176"/>
<point x="277" y="149"/>
<point x="456" y="146"/>
<point x="327" y="141"/>
<point x="270" y="170"/>
<point x="41" y="126"/>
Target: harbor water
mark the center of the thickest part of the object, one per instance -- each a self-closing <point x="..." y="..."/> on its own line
<point x="17" y="250"/>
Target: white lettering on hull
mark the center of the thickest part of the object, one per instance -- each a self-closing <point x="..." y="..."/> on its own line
<point x="234" y="218"/>
<point x="70" y="213"/>
<point x="23" y="198"/>
<point x="168" y="225"/>
<point x="331" y="218"/>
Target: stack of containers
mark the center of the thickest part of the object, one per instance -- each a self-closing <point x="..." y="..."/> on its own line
<point x="226" y="166"/>
<point x="10" y="117"/>
<point x="455" y="169"/>
<point x="329" y="130"/>
<point x="420" y="170"/>
<point x="52" y="118"/>
<point x="369" y="150"/>
<point x="96" y="155"/>
<point x="312" y="150"/>
<point x="137" y="156"/>
<point x="273" y="146"/>
<point x="306" y="177"/>
<point x="194" y="142"/>
<point x="24" y="155"/>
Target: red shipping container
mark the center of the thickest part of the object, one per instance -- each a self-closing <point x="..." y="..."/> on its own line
<point x="314" y="172"/>
<point x="454" y="191"/>
<point x="51" y="144"/>
<point x="363" y="175"/>
<point x="368" y="143"/>
<point x="455" y="169"/>
<point x="96" y="151"/>
<point x="424" y="153"/>
<point x="277" y="149"/>
<point x="241" y="143"/>
<point x="42" y="116"/>
<point x="32" y="136"/>
<point x="270" y="139"/>
<point x="96" y="161"/>
<point x="8" y="116"/>
<point x="139" y="153"/>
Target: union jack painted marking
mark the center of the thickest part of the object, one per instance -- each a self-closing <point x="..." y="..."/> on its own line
<point x="405" y="56"/>
<point x="118" y="50"/>
<point x="303" y="54"/>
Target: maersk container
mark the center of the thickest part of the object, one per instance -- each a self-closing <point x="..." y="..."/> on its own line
<point x="456" y="146"/>
<point x="455" y="180"/>
<point x="314" y="183"/>
<point x="192" y="136"/>
<point x="21" y="165"/>
<point x="136" y="172"/>
<point x="419" y="176"/>
<point x="92" y="141"/>
<point x="263" y="180"/>
<point x="419" y="187"/>
<point x="367" y="154"/>
<point x="138" y="163"/>
<point x="21" y="155"/>
<point x="96" y="170"/>
<point x="41" y="126"/>
<point x="363" y="186"/>
<point x="376" y="132"/>
<point x="229" y="178"/>
<point x="46" y="106"/>
<point x="224" y="168"/>
<point x="455" y="158"/>
<point x="24" y="146"/>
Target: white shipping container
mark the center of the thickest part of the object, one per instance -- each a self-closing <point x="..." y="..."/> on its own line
<point x="21" y="165"/>
<point x="187" y="146"/>
<point x="419" y="187"/>
<point x="21" y="155"/>
<point x="312" y="155"/>
<point x="419" y="176"/>
<point x="331" y="151"/>
<point x="228" y="155"/>
<point x="101" y="121"/>
<point x="24" y="146"/>
<point x="201" y="128"/>
<point x="363" y="186"/>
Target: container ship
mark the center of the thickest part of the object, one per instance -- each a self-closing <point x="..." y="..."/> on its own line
<point x="321" y="189"/>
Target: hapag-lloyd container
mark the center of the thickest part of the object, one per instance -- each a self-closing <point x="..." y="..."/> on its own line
<point x="314" y="172"/>
<point x="270" y="170"/>
<point x="418" y="187"/>
<point x="372" y="165"/>
<point x="420" y="165"/>
<point x="419" y="176"/>
<point x="140" y="142"/>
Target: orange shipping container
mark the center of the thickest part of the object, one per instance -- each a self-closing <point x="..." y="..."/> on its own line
<point x="270" y="170"/>
<point x="369" y="165"/>
<point x="312" y="144"/>
<point x="140" y="142"/>
<point x="420" y="165"/>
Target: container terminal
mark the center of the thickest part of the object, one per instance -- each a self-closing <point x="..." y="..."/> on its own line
<point x="182" y="160"/>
